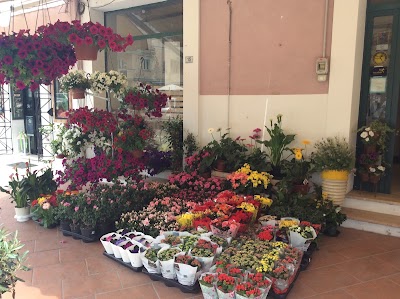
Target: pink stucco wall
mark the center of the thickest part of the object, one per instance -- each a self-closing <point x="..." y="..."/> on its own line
<point x="274" y="46"/>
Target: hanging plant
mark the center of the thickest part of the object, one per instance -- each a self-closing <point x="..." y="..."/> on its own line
<point x="89" y="34"/>
<point x="29" y="60"/>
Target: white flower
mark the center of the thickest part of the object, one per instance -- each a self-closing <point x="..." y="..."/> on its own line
<point x="372" y="169"/>
<point x="367" y="139"/>
<point x="368" y="129"/>
<point x="371" y="133"/>
<point x="337" y="210"/>
<point x="363" y="134"/>
<point x="210" y="130"/>
<point x="381" y="168"/>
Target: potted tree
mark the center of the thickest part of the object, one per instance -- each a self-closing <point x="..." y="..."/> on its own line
<point x="11" y="261"/>
<point x="335" y="159"/>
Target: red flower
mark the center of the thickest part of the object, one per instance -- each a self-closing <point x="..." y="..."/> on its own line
<point x="101" y="43"/>
<point x="73" y="38"/>
<point x="88" y="40"/>
<point x="20" y="85"/>
<point x="8" y="59"/>
<point x="94" y="30"/>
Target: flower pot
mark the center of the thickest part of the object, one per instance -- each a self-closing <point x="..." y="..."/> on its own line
<point x="364" y="176"/>
<point x="220" y="165"/>
<point x="88" y="232"/>
<point x="86" y="52"/>
<point x="60" y="156"/>
<point x="77" y="93"/>
<point x="222" y="295"/>
<point x="374" y="179"/>
<point x="76" y="230"/>
<point x="186" y="274"/>
<point x="334" y="183"/>
<point x="209" y="292"/>
<point x="137" y="154"/>
<point x="22" y="214"/>
<point x="301" y="188"/>
<point x="89" y="152"/>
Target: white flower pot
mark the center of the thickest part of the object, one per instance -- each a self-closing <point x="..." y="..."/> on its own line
<point x="186" y="274"/>
<point x="107" y="244"/>
<point x="22" y="214"/>
<point x="89" y="152"/>
<point x="135" y="258"/>
<point x="334" y="184"/>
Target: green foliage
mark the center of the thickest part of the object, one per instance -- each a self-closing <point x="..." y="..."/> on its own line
<point x="11" y="261"/>
<point x="18" y="190"/>
<point x="257" y="160"/>
<point x="174" y="130"/>
<point x="190" y="144"/>
<point x="333" y="154"/>
<point x="297" y="171"/>
<point x="381" y="131"/>
<point x="278" y="142"/>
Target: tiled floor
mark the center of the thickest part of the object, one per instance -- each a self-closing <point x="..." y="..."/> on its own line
<point x="355" y="265"/>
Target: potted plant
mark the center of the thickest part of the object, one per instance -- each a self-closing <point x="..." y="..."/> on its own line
<point x="76" y="82"/>
<point x="228" y="154"/>
<point x="11" y="261"/>
<point x="111" y="81"/>
<point x="374" y="136"/>
<point x="277" y="145"/>
<point x="298" y="171"/>
<point x="335" y="158"/>
<point x="30" y="60"/>
<point x="173" y="128"/>
<point x="19" y="195"/>
<point x="247" y="290"/>
<point x="225" y="286"/>
<point x="144" y="98"/>
<point x="44" y="209"/>
<point x="88" y="38"/>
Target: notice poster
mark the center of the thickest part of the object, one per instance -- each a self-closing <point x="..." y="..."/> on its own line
<point x="377" y="85"/>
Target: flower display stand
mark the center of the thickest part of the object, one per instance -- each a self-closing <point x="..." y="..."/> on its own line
<point x="334" y="183"/>
<point x="120" y="261"/>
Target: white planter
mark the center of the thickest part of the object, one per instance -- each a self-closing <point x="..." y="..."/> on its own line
<point x="334" y="184"/>
<point x="89" y="152"/>
<point x="151" y="267"/>
<point x="22" y="214"/>
<point x="107" y="244"/>
<point x="186" y="274"/>
<point x="123" y="252"/>
<point x="136" y="258"/>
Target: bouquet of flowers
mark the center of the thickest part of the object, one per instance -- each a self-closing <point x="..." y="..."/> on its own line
<point x="204" y="248"/>
<point x="248" y="181"/>
<point x="247" y="290"/>
<point x="225" y="283"/>
<point x="74" y="79"/>
<point x="188" y="260"/>
<point x="111" y="81"/>
<point x="168" y="254"/>
<point x="44" y="209"/>
<point x="259" y="280"/>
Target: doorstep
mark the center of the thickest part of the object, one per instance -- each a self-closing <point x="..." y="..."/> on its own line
<point x="372" y="221"/>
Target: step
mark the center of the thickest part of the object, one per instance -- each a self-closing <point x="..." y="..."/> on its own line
<point x="373" y="202"/>
<point x="372" y="221"/>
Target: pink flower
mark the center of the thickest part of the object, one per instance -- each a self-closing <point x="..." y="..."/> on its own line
<point x="46" y="206"/>
<point x="146" y="221"/>
<point x="76" y="209"/>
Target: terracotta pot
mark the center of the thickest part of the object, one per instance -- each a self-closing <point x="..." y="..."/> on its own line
<point x="60" y="156"/>
<point x="77" y="93"/>
<point x="370" y="148"/>
<point x="374" y="179"/>
<point x="301" y="188"/>
<point x="137" y="154"/>
<point x="220" y="165"/>
<point x="364" y="177"/>
<point x="86" y="52"/>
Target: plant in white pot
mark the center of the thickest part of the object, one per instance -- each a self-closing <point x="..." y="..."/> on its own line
<point x="335" y="158"/>
<point x="18" y="191"/>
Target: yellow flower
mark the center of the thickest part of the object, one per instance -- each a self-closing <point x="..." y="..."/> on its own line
<point x="324" y="195"/>
<point x="306" y="142"/>
<point x="185" y="220"/>
<point x="41" y="200"/>
<point x="265" y="201"/>
<point x="298" y="155"/>
<point x="287" y="223"/>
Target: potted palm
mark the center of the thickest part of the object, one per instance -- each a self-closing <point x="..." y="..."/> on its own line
<point x="11" y="261"/>
<point x="335" y="159"/>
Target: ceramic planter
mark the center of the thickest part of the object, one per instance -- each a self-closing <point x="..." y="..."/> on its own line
<point x="334" y="184"/>
<point x="22" y="214"/>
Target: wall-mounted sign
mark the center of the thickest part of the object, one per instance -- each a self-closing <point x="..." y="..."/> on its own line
<point x="379" y="71"/>
<point x="377" y="85"/>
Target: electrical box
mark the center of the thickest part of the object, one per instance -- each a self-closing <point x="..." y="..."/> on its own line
<point x="322" y="69"/>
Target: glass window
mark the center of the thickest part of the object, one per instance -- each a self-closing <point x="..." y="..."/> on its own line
<point x="156" y="55"/>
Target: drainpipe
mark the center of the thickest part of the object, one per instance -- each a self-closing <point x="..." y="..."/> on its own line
<point x="229" y="2"/>
<point x="325" y="28"/>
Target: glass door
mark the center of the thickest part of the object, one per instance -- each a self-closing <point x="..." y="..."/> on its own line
<point x="380" y="84"/>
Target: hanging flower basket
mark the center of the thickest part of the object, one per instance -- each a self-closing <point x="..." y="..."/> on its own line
<point x="86" y="52"/>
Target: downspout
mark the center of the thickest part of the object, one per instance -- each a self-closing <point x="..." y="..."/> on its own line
<point x="229" y="2"/>
<point x="325" y="28"/>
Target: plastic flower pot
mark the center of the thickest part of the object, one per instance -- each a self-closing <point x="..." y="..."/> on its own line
<point x="135" y="254"/>
<point x="22" y="214"/>
<point x="105" y="240"/>
<point x="334" y="183"/>
<point x="86" y="52"/>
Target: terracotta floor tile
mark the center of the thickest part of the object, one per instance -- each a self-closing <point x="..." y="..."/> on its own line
<point x="58" y="272"/>
<point x="101" y="264"/>
<point x="75" y="287"/>
<point x="140" y="292"/>
<point x="26" y="276"/>
<point x="165" y="292"/>
<point x="326" y="257"/>
<point x="327" y="279"/>
<point x="43" y="258"/>
<point x="395" y="278"/>
<point x="337" y="294"/>
<point x="78" y="254"/>
<point x="368" y="268"/>
<point x="300" y="289"/>
<point x="380" y="288"/>
<point x="27" y="291"/>
<point x="130" y="278"/>
<point x="56" y="243"/>
<point x="359" y="249"/>
<point x="392" y="257"/>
